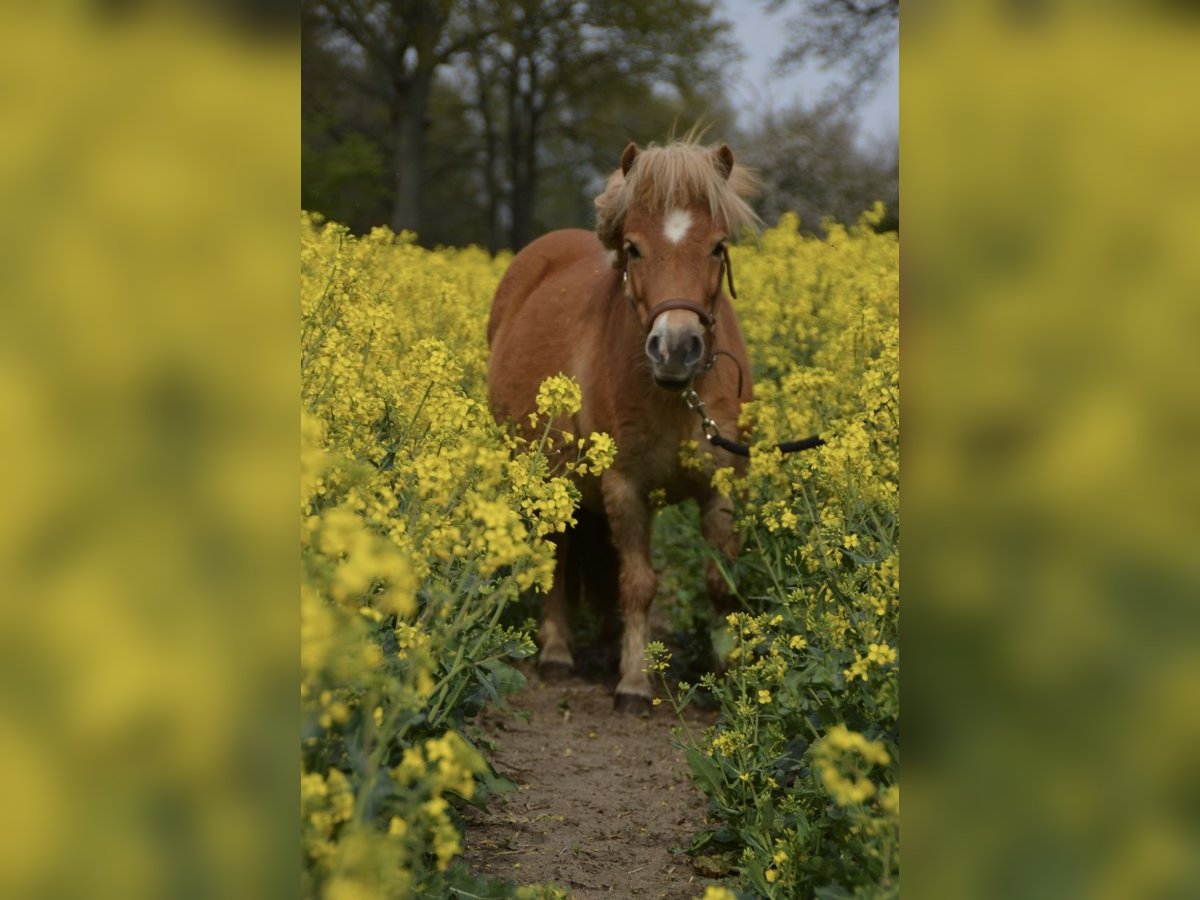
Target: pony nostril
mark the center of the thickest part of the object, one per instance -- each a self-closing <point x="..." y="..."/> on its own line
<point x="653" y="346"/>
<point x="695" y="349"/>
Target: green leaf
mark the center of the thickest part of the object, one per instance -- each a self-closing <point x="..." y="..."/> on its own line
<point x="766" y="816"/>
<point x="706" y="772"/>
<point x="498" y="679"/>
<point x="722" y="641"/>
<point x="508" y="680"/>
<point x="833" y="892"/>
<point x="700" y="841"/>
<point x="461" y="883"/>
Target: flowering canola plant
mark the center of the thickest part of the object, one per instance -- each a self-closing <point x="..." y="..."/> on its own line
<point x="421" y="521"/>
<point x="802" y="769"/>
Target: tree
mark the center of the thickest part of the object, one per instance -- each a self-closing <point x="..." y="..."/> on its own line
<point x="524" y="110"/>
<point x="811" y="165"/>
<point x="548" y="65"/>
<point x="343" y="135"/>
<point x="855" y="36"/>
<point x="398" y="46"/>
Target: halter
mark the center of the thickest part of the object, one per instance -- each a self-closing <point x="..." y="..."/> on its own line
<point x="690" y="398"/>
<point x="707" y="319"/>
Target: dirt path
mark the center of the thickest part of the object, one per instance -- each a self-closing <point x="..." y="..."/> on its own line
<point x="602" y="797"/>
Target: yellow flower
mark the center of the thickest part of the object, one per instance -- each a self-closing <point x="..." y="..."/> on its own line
<point x="601" y="452"/>
<point x="858" y="669"/>
<point x="889" y="800"/>
<point x="728" y="742"/>
<point x="343" y="888"/>
<point x="880" y="654"/>
<point x="764" y="697"/>
<point x="312" y="785"/>
<point x="837" y="759"/>
<point x="447" y="846"/>
<point x="558" y="395"/>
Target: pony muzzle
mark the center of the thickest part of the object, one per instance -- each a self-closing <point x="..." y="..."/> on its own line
<point x="675" y="348"/>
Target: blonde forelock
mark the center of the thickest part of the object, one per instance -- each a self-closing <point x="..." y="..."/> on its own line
<point x="681" y="174"/>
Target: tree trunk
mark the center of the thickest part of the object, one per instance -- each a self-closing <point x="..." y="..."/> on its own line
<point x="515" y="131"/>
<point x="522" y="205"/>
<point x="523" y="163"/>
<point x="491" y="153"/>
<point x="531" y="172"/>
<point x="408" y="158"/>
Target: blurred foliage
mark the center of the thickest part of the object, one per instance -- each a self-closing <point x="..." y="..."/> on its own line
<point x="147" y="626"/>
<point x="1051" y="285"/>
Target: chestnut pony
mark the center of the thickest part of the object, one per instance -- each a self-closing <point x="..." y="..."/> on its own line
<point x="635" y="313"/>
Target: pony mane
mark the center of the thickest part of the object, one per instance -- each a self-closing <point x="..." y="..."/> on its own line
<point x="682" y="173"/>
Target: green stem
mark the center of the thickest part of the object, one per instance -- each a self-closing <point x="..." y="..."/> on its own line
<point x="451" y="694"/>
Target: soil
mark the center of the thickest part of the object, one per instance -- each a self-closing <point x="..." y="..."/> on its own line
<point x="603" y="806"/>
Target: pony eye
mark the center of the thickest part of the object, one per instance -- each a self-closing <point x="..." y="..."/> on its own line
<point x="719" y="250"/>
<point x="632" y="249"/>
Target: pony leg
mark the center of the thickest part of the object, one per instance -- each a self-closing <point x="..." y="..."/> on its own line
<point x="629" y="520"/>
<point x="716" y="525"/>
<point x="555" y="660"/>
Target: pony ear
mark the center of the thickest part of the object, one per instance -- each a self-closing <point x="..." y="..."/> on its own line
<point x="723" y="158"/>
<point x="628" y="157"/>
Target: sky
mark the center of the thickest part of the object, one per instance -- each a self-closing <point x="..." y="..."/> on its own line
<point x="762" y="36"/>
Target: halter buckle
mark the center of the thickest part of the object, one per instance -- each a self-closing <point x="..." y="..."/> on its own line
<point x="694" y="403"/>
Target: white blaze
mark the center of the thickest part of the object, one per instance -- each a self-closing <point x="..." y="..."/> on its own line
<point x="677" y="223"/>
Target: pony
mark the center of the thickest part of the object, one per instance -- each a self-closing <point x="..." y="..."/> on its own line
<point x="637" y="314"/>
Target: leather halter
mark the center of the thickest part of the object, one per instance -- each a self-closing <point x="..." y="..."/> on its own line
<point x="707" y="318"/>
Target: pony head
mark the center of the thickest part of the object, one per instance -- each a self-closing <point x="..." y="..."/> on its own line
<point x="665" y="215"/>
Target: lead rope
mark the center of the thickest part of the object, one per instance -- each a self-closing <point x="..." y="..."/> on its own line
<point x="692" y="399"/>
<point x="713" y="433"/>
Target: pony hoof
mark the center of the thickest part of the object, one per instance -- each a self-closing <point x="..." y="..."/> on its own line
<point x="555" y="670"/>
<point x="634" y="704"/>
